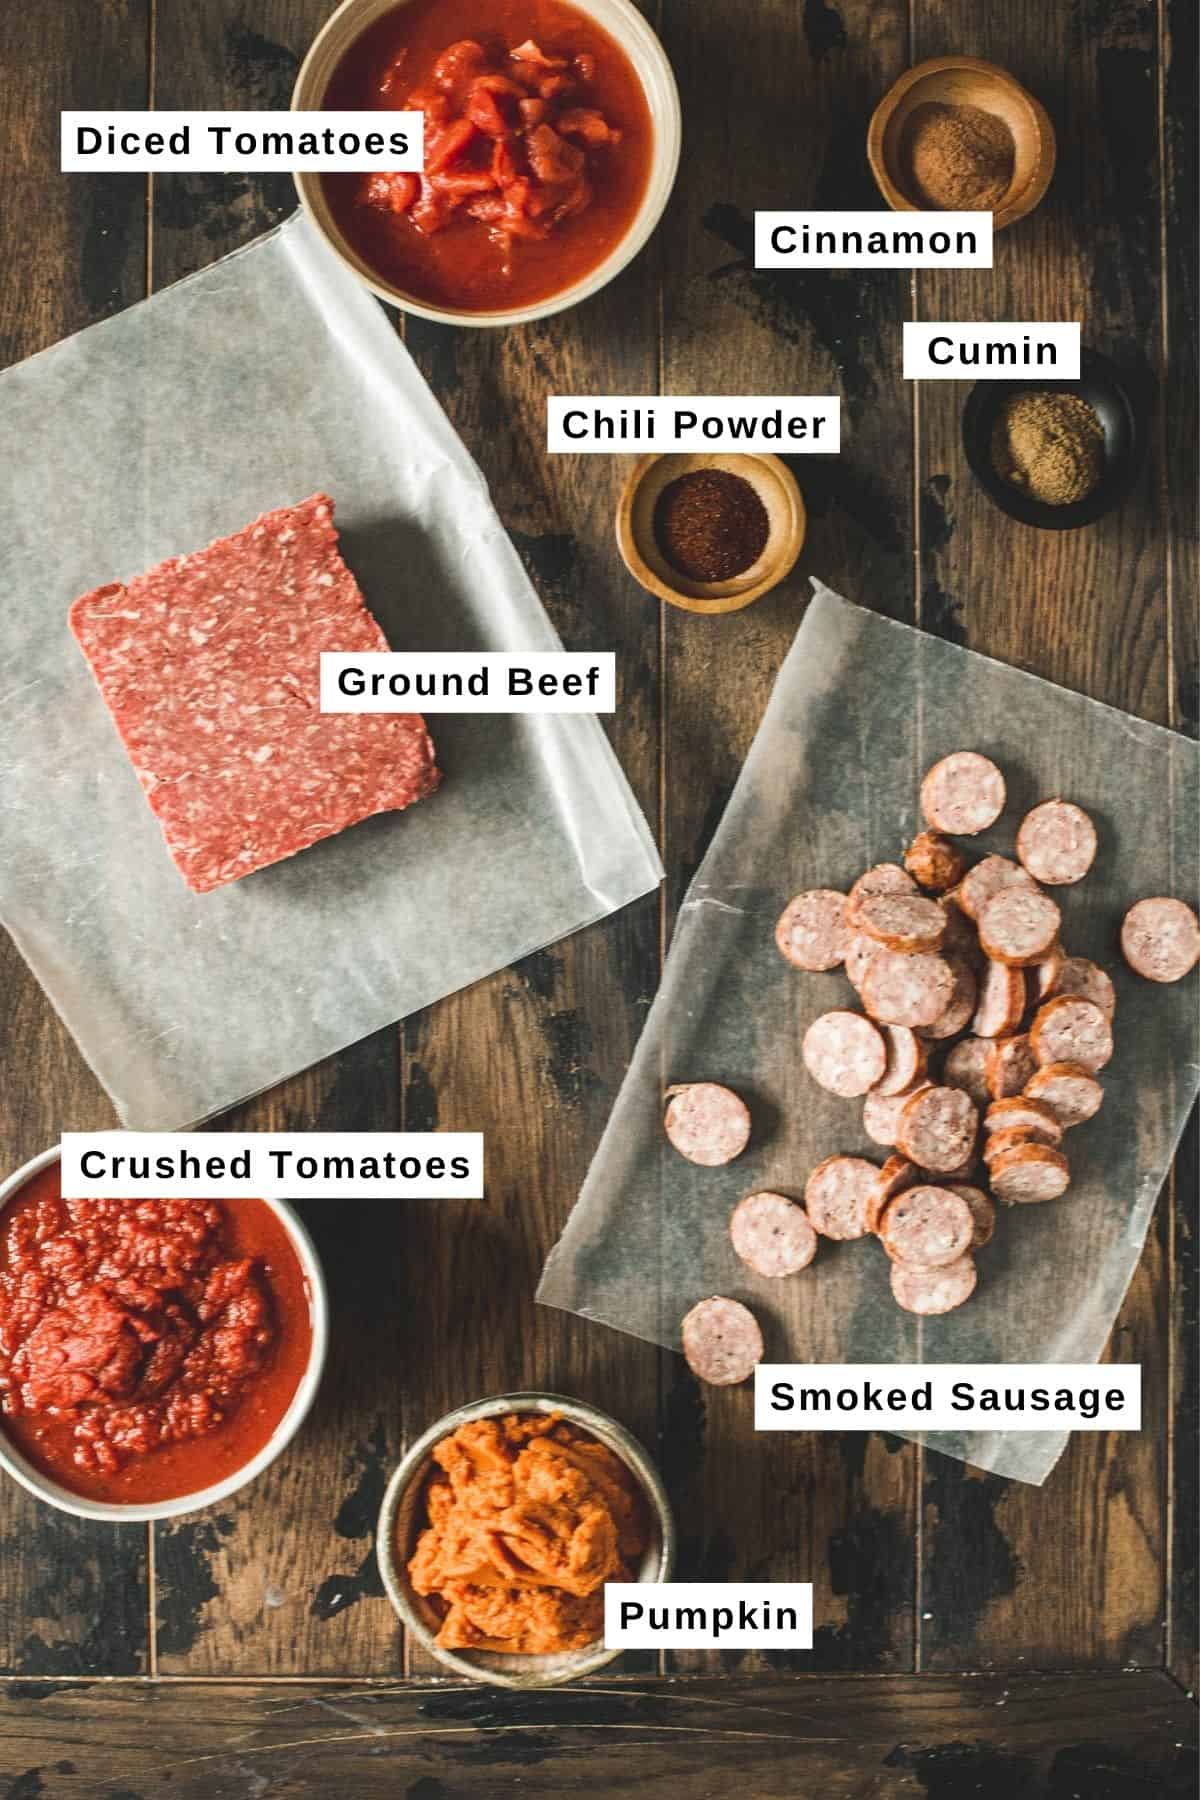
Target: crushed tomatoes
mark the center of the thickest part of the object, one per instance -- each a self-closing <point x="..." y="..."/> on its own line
<point x="134" y="1330"/>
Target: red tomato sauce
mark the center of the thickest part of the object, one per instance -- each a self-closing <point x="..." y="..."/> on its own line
<point x="535" y="163"/>
<point x="148" y="1348"/>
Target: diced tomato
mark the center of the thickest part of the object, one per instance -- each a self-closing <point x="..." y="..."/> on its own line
<point x="488" y="210"/>
<point x="504" y="163"/>
<point x="551" y="158"/>
<point x="584" y="65"/>
<point x="390" y="190"/>
<point x="459" y="62"/>
<point x="555" y="87"/>
<point x="584" y="122"/>
<point x="430" y="212"/>
<point x="492" y="104"/>
<point x="533" y="53"/>
<point x="436" y="107"/>
<point x="457" y="189"/>
<point x="448" y="145"/>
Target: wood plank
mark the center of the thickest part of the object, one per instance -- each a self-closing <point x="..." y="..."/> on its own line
<point x="75" y="1593"/>
<point x="534" y="1056"/>
<point x="891" y="1738"/>
<point x="1073" y="1573"/>
<point x="839" y="1510"/>
<point x="282" y="1577"/>
<point x="1181" y="209"/>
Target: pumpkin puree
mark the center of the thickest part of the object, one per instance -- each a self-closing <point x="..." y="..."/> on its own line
<point x="528" y="1520"/>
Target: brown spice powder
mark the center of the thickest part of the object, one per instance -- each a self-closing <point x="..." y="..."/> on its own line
<point x="1051" y="446"/>
<point x="710" y="525"/>
<point x="959" y="158"/>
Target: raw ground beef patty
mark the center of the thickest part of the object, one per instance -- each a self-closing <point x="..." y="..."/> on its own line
<point x="210" y="667"/>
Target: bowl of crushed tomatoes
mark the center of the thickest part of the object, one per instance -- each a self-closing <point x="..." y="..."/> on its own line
<point x="155" y="1354"/>
<point x="552" y="135"/>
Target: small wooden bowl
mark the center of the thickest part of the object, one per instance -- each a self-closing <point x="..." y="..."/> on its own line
<point x="963" y="81"/>
<point x="775" y="486"/>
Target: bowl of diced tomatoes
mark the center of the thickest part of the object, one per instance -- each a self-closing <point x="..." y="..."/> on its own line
<point x="551" y="133"/>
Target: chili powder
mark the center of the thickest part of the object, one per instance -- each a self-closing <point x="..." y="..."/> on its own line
<point x="710" y="525"/>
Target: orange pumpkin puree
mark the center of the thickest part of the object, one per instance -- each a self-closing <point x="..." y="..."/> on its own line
<point x="527" y="1521"/>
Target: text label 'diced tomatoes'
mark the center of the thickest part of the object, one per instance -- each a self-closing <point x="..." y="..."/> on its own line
<point x="537" y="150"/>
<point x="148" y="1348"/>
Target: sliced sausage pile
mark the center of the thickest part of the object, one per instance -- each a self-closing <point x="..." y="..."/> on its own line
<point x="954" y="965"/>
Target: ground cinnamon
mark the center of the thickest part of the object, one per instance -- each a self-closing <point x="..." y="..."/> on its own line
<point x="710" y="525"/>
<point x="959" y="158"/>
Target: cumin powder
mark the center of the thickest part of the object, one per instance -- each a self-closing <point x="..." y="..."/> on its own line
<point x="1049" y="445"/>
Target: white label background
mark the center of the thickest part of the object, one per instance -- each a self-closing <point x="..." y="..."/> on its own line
<point x="263" y="1183"/>
<point x="203" y="157"/>
<point x="925" y="224"/>
<point x="1101" y="1377"/>
<point x="918" y="336"/>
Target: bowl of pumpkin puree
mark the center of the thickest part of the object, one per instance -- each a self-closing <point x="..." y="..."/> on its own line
<point x="501" y="1527"/>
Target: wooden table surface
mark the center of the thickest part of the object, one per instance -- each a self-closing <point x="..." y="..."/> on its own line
<point x="250" y="1649"/>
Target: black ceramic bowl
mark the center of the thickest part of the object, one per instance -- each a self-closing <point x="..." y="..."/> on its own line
<point x="1102" y="387"/>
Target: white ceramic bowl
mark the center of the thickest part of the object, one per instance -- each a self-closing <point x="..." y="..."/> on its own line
<point x="402" y="1515"/>
<point x="622" y="21"/>
<point x="55" y="1494"/>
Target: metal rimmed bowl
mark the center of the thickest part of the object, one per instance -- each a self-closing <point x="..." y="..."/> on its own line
<point x="402" y="1517"/>
<point x="625" y="24"/>
<point x="1101" y="385"/>
<point x="44" y="1487"/>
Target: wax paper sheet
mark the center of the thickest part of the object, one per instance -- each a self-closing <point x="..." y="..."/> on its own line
<point x="861" y="707"/>
<point x="267" y="377"/>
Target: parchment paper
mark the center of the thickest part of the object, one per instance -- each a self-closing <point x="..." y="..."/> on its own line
<point x="861" y="707"/>
<point x="269" y="376"/>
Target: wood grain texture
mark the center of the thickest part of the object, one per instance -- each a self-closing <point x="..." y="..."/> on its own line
<point x="1180" y="125"/>
<point x="893" y="1738"/>
<point x="914" y="1560"/>
<point x="282" y="1577"/>
<point x="1070" y="1574"/>
<point x="839" y="1510"/>
<point x="528" y="1056"/>
<point x="74" y="1594"/>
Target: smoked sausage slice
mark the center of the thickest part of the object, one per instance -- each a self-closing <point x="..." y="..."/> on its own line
<point x="933" y="1291"/>
<point x="966" y="1068"/>
<point x="1056" y="842"/>
<point x="934" y="862"/>
<point x="1072" y="1094"/>
<point x="927" y="1226"/>
<point x="812" y="934"/>
<point x="937" y="1128"/>
<point x="1072" y="1030"/>
<point x="772" y="1235"/>
<point x="963" y="794"/>
<point x="844" y="1053"/>
<point x="1030" y="1172"/>
<point x="707" y="1123"/>
<point x="907" y="990"/>
<point x="839" y="1194"/>
<point x="722" y="1341"/>
<point x="1019" y="926"/>
<point x="1160" y="939"/>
